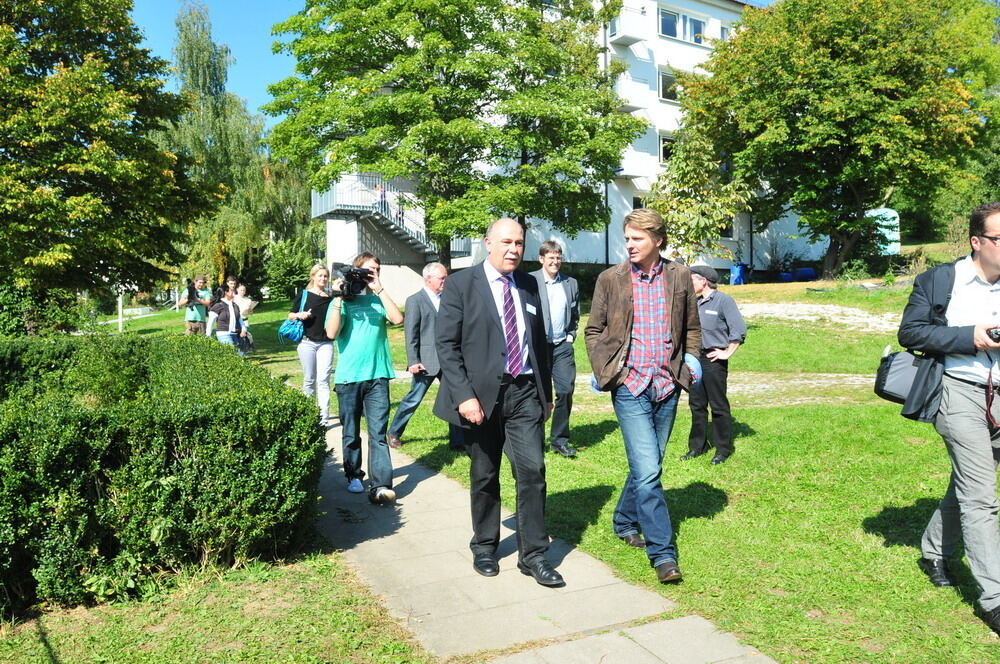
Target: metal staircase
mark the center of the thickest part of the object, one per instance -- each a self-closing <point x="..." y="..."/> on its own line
<point x="370" y="197"/>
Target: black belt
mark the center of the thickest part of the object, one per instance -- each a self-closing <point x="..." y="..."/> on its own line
<point x="520" y="379"/>
<point x="981" y="386"/>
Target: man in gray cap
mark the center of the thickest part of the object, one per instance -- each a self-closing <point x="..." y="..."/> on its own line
<point x="722" y="332"/>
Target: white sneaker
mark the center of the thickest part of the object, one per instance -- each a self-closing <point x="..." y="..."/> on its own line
<point x="383" y="496"/>
<point x="355" y="486"/>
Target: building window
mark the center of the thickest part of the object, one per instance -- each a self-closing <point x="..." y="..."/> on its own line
<point x="727" y="230"/>
<point x="666" y="148"/>
<point x="726" y="32"/>
<point x="637" y="202"/>
<point x="682" y="26"/>
<point x="668" y="86"/>
<point x="613" y="27"/>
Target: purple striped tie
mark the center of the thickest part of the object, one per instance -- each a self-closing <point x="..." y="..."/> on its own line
<point x="514" y="367"/>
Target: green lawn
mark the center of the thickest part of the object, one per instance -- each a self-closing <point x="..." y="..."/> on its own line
<point x="803" y="545"/>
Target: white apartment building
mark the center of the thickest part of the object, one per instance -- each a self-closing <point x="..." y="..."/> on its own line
<point x="654" y="39"/>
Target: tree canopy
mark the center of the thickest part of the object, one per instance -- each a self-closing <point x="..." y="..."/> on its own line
<point x="487" y="107"/>
<point x="225" y="142"/>
<point x="88" y="199"/>
<point x="828" y="106"/>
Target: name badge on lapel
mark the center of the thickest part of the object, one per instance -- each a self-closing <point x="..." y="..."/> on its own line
<point x="531" y="309"/>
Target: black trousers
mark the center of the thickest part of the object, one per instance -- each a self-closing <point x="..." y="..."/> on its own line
<point x="711" y="392"/>
<point x="515" y="428"/>
<point x="564" y="381"/>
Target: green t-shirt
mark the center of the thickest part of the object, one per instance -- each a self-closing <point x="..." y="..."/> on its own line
<point x="197" y="313"/>
<point x="363" y="344"/>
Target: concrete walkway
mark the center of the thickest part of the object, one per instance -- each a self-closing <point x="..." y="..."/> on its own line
<point x="416" y="556"/>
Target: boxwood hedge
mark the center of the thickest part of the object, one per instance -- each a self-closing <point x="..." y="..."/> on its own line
<point x="123" y="458"/>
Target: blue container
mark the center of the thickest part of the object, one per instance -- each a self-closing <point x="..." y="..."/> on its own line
<point x="738" y="274"/>
<point x="805" y="274"/>
<point x="785" y="276"/>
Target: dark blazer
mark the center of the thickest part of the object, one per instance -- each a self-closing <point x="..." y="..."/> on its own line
<point x="471" y="346"/>
<point x="925" y="328"/>
<point x="572" y="301"/>
<point x="420" y="327"/>
<point x="609" y="329"/>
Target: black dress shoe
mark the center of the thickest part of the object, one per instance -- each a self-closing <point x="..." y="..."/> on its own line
<point x="937" y="570"/>
<point x="634" y="540"/>
<point x="691" y="455"/>
<point x="668" y="572"/>
<point x="719" y="458"/>
<point x="991" y="618"/>
<point x="543" y="572"/>
<point x="564" y="449"/>
<point x="486" y="564"/>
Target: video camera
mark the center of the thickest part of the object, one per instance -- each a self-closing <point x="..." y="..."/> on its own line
<point x="356" y="280"/>
<point x="192" y="295"/>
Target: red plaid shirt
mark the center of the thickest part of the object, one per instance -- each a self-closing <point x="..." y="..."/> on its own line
<point x="651" y="346"/>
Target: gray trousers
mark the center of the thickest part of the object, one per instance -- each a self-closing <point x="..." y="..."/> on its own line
<point x="968" y="511"/>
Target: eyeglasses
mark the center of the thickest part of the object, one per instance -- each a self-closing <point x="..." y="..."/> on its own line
<point x="995" y="239"/>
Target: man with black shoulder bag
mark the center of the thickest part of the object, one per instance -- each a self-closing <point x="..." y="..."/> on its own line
<point x="953" y="318"/>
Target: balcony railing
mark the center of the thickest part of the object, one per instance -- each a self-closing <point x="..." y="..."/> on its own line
<point x="627" y="28"/>
<point x="371" y="194"/>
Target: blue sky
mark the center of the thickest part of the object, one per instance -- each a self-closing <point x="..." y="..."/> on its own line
<point x="243" y="25"/>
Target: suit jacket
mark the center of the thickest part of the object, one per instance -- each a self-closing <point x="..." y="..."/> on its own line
<point x="609" y="329"/>
<point x="572" y="301"/>
<point x="420" y="327"/>
<point x="471" y="347"/>
<point x="924" y="327"/>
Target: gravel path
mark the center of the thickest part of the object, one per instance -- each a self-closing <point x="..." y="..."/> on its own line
<point x="846" y="316"/>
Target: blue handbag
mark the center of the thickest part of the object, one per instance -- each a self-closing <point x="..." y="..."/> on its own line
<point x="292" y="330"/>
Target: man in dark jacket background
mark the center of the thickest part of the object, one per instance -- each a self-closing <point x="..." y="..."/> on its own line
<point x="949" y="316"/>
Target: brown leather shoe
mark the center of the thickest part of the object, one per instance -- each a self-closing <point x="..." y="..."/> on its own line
<point x="634" y="540"/>
<point x="668" y="572"/>
<point x="394" y="442"/>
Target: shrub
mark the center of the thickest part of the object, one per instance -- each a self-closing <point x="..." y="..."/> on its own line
<point x="124" y="457"/>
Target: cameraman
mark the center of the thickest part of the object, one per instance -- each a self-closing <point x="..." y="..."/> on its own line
<point x="361" y="379"/>
<point x="196" y="298"/>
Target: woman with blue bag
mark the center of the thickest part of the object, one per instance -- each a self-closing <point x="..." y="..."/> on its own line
<point x="315" y="349"/>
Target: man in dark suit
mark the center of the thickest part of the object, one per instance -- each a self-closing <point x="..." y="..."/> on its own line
<point x="495" y="384"/>
<point x="561" y="314"/>
<point x="420" y="326"/>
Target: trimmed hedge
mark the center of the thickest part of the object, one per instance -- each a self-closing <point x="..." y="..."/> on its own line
<point x="123" y="457"/>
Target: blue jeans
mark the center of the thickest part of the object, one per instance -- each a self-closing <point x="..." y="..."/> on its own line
<point x="371" y="398"/>
<point x="230" y="339"/>
<point x="408" y="405"/>
<point x="645" y="426"/>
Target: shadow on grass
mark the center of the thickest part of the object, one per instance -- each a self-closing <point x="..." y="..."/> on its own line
<point x="904" y="526"/>
<point x="743" y="430"/>
<point x="583" y="436"/>
<point x="901" y="526"/>
<point x="698" y="500"/>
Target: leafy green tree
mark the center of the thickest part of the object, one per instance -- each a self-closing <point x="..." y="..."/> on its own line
<point x="88" y="200"/>
<point x="487" y="107"/>
<point x="224" y="139"/>
<point x="828" y="106"/>
<point x="696" y="195"/>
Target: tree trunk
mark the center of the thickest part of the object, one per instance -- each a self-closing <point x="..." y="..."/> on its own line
<point x="837" y="251"/>
<point x="444" y="253"/>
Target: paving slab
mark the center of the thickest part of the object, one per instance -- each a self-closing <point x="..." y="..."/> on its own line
<point x="415" y="554"/>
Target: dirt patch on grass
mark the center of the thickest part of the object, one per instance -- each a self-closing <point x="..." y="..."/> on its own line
<point x="849" y="317"/>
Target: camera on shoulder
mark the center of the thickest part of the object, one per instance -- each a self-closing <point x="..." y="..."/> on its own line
<point x="356" y="280"/>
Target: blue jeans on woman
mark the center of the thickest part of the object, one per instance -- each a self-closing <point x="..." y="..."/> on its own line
<point x="645" y="426"/>
<point x="230" y="339"/>
<point x="371" y="398"/>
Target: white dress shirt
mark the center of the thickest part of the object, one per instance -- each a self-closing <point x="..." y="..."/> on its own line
<point x="555" y="291"/>
<point x="435" y="298"/>
<point x="495" y="280"/>
<point x="973" y="302"/>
